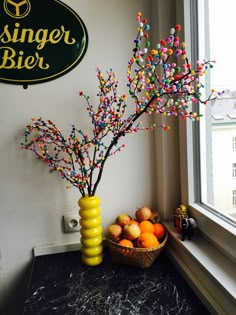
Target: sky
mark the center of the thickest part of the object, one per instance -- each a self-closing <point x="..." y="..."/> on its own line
<point x="222" y="22"/>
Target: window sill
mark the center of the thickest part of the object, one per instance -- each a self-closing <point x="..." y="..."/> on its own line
<point x="210" y="273"/>
<point x="219" y="232"/>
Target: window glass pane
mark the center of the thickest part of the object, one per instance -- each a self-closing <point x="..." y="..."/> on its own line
<point x="218" y="130"/>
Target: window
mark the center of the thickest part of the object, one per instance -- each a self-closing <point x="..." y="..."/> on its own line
<point x="207" y="184"/>
<point x="234" y="198"/>
<point x="234" y="143"/>
<point x="217" y="129"/>
<point x="234" y="170"/>
<point x="216" y="237"/>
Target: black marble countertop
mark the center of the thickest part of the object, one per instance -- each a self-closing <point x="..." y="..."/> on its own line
<point x="61" y="284"/>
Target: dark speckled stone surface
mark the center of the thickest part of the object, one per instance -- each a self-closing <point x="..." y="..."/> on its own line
<point x="61" y="284"/>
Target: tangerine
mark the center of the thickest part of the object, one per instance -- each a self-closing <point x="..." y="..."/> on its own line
<point x="146" y="226"/>
<point x="147" y="240"/>
<point x="126" y="243"/>
<point x="159" y="230"/>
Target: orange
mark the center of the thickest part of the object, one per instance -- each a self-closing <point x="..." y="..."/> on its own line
<point x="146" y="226"/>
<point x="126" y="243"/>
<point x="147" y="240"/>
<point x="159" y="230"/>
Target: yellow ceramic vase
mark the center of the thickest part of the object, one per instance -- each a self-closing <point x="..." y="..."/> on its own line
<point x="91" y="230"/>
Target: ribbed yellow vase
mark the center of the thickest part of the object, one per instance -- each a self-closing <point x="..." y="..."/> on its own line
<point x="91" y="230"/>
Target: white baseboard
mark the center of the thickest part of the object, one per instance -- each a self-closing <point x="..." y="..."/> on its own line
<point x="55" y="248"/>
<point x="58" y="248"/>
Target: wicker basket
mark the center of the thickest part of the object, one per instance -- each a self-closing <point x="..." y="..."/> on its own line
<point x="138" y="257"/>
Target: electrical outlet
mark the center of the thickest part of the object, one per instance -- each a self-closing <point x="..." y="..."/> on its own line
<point x="71" y="223"/>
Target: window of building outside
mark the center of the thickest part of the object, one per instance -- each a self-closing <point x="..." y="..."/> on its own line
<point x="218" y="129"/>
<point x="234" y="170"/>
<point x="234" y="198"/>
<point x="234" y="143"/>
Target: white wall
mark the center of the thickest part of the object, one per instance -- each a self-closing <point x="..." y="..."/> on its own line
<point x="32" y="200"/>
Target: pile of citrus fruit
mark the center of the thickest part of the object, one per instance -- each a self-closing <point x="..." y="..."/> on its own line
<point x="142" y="231"/>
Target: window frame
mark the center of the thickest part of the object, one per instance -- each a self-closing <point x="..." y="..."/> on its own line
<point x="219" y="230"/>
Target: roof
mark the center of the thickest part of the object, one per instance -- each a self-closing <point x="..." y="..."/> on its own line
<point x="223" y="109"/>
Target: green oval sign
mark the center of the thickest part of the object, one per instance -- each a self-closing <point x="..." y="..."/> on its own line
<point x="40" y="40"/>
